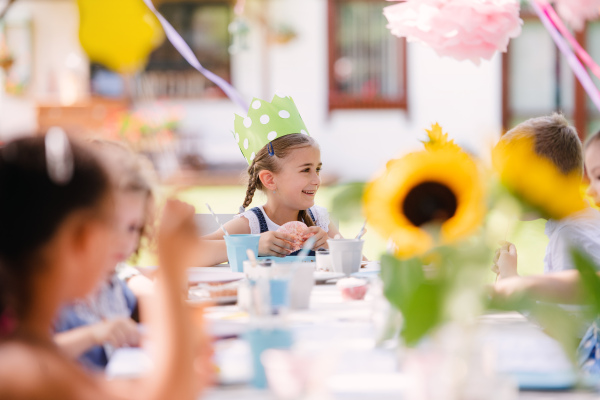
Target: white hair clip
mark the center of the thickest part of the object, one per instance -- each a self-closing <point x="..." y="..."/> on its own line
<point x="59" y="157"/>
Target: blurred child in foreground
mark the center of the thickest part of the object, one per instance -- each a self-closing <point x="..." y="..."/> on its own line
<point x="91" y="328"/>
<point x="54" y="254"/>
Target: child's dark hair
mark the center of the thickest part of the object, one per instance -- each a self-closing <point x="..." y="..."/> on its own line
<point x="33" y="207"/>
<point x="263" y="161"/>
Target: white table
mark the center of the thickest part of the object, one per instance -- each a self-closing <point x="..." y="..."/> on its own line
<point x="348" y="327"/>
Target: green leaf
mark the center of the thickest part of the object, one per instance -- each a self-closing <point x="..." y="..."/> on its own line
<point x="401" y="278"/>
<point x="589" y="277"/>
<point x="423" y="312"/>
<point x="348" y="202"/>
<point x="419" y="299"/>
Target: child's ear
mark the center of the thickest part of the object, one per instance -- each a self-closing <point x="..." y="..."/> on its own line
<point x="268" y="179"/>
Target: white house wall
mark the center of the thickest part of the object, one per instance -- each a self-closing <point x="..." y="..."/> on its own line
<point x="463" y="98"/>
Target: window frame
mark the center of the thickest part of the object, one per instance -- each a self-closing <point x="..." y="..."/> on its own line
<point x="340" y="101"/>
<point x="580" y="111"/>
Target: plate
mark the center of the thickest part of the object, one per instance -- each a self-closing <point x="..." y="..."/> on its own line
<point x="365" y="274"/>
<point x="324" y="276"/>
<point x="219" y="301"/>
<point x="210" y="275"/>
<point x="288" y="259"/>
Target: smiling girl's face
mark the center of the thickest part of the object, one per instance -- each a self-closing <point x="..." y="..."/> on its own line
<point x="299" y="178"/>
<point x="592" y="166"/>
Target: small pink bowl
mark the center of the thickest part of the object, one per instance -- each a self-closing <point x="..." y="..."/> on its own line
<point x="353" y="288"/>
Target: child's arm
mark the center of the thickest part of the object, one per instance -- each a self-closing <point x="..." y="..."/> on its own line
<point x="277" y="244"/>
<point x="173" y="373"/>
<point x="559" y="287"/>
<point x="118" y="332"/>
<point x="236" y="226"/>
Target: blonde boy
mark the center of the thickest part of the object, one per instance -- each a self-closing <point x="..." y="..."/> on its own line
<point x="558" y="142"/>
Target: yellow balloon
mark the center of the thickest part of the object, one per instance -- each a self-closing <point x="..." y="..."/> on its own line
<point x="119" y="34"/>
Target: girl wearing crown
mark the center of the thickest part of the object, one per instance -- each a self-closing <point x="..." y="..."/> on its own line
<point x="284" y="163"/>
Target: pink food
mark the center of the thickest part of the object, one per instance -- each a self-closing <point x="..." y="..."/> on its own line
<point x="298" y="231"/>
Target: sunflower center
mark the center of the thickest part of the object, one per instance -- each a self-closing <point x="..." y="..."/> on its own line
<point x="429" y="202"/>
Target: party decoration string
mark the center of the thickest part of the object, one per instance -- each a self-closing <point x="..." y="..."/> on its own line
<point x="583" y="55"/>
<point x="187" y="53"/>
<point x="574" y="63"/>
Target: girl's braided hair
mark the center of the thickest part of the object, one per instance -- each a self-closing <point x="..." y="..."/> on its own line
<point x="263" y="161"/>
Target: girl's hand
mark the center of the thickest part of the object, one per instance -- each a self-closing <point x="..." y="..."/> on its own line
<point x="275" y="243"/>
<point x="118" y="332"/>
<point x="320" y="237"/>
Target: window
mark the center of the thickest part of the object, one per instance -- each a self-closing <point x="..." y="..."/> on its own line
<point x="367" y="64"/>
<point x="204" y="27"/>
<point x="540" y="83"/>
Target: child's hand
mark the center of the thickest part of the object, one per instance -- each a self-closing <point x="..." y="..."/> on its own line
<point x="320" y="237"/>
<point x="178" y="240"/>
<point x="503" y="246"/>
<point x="505" y="261"/>
<point x="118" y="332"/>
<point x="273" y="243"/>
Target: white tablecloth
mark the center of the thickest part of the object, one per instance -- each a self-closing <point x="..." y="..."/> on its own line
<point x="346" y="330"/>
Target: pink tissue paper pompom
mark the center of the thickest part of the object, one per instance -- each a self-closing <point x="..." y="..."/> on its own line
<point x="461" y="29"/>
<point x="576" y="12"/>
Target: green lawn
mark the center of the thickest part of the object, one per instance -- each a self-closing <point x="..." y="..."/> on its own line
<point x="528" y="236"/>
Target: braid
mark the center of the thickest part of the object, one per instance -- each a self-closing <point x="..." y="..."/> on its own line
<point x="304" y="216"/>
<point x="251" y="186"/>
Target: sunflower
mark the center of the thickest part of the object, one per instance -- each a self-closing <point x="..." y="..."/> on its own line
<point x="439" y="140"/>
<point x="426" y="198"/>
<point x="536" y="181"/>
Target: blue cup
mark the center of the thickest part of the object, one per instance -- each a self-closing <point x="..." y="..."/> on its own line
<point x="261" y="340"/>
<point x="279" y="291"/>
<point x="237" y="245"/>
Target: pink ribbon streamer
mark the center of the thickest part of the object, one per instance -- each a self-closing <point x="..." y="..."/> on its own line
<point x="187" y="53"/>
<point x="583" y="55"/>
<point x="574" y="63"/>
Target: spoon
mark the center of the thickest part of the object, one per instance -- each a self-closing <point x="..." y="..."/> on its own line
<point x="310" y="242"/>
<point x="217" y="219"/>
<point x="252" y="257"/>
<point x="362" y="231"/>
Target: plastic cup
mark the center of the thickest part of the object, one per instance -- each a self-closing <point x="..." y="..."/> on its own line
<point x="346" y="255"/>
<point x="323" y="260"/>
<point x="237" y="245"/>
<point x="301" y="284"/>
<point x="276" y="284"/>
<point x="261" y="339"/>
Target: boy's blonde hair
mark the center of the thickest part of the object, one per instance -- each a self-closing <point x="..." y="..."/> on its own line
<point x="263" y="161"/>
<point x="130" y="172"/>
<point x="554" y="140"/>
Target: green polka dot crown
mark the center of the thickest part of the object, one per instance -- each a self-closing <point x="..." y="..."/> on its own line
<point x="266" y="122"/>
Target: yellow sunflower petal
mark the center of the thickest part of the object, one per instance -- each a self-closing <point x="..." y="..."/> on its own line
<point x="439" y="140"/>
<point x="536" y="180"/>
